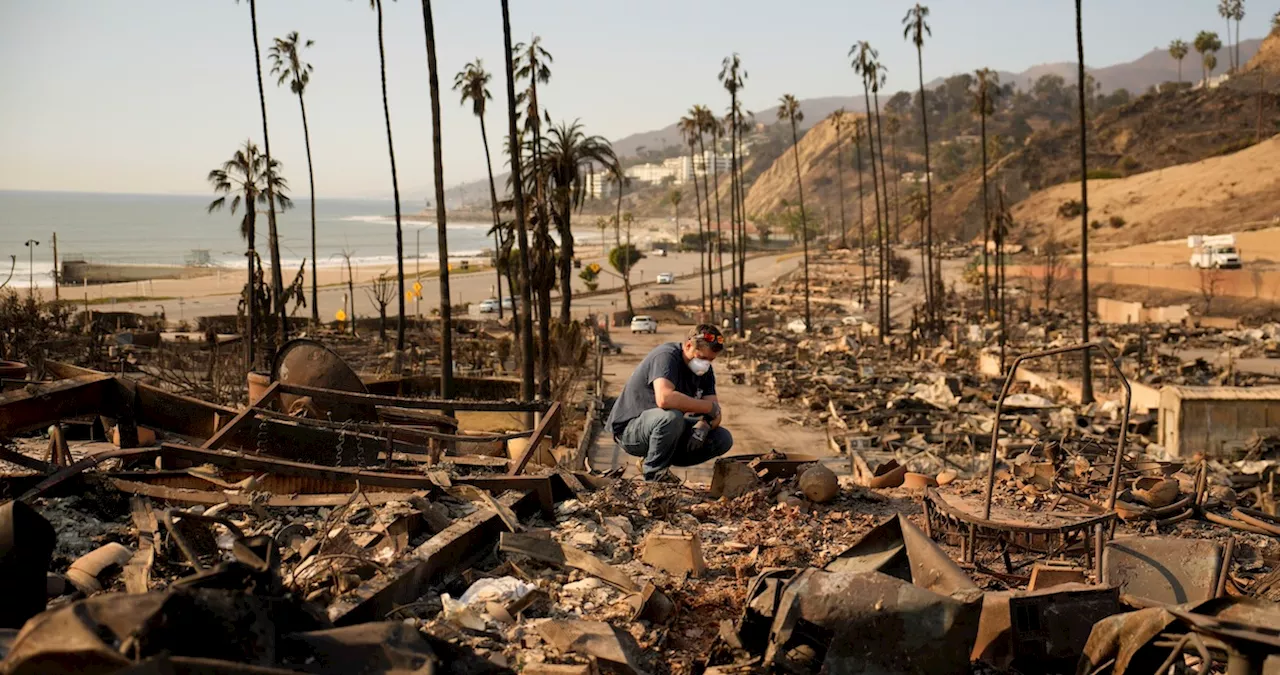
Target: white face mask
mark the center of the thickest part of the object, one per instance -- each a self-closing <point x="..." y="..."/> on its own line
<point x="699" y="366"/>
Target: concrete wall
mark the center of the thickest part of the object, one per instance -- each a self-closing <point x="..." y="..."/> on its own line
<point x="1144" y="398"/>
<point x="78" y="272"/>
<point x="1250" y="282"/>
<point x="1188" y="427"/>
<point x="1121" y="312"/>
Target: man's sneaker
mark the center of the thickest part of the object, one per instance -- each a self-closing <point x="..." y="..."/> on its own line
<point x="663" y="476"/>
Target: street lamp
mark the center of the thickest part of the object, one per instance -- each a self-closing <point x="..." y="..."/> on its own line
<point x="31" y="245"/>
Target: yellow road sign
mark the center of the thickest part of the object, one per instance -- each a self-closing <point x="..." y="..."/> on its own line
<point x="417" y="287"/>
<point x="340" y="315"/>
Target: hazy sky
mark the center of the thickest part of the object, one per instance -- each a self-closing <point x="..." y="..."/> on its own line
<point x="146" y="96"/>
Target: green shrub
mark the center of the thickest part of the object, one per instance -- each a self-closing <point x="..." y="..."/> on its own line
<point x="1116" y="222"/>
<point x="1070" y="209"/>
<point x="1103" y="174"/>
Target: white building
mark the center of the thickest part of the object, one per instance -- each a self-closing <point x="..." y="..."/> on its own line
<point x="597" y="184"/>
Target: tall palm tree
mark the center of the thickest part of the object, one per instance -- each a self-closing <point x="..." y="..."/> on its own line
<point x="376" y="6"/>
<point x="1178" y="50"/>
<point x="915" y="29"/>
<point x="674" y="198"/>
<point x="532" y="64"/>
<point x="858" y="124"/>
<point x="864" y="63"/>
<point x="287" y="63"/>
<point x="716" y="129"/>
<point x="442" y="232"/>
<point x="568" y="153"/>
<point x="1206" y="42"/>
<point x="789" y="111"/>
<point x="689" y="127"/>
<point x="472" y="82"/>
<point x="986" y="82"/>
<point x="838" y="118"/>
<point x="894" y="124"/>
<point x="733" y="78"/>
<point x="744" y="126"/>
<point x="1237" y="13"/>
<point x="245" y="179"/>
<point x="1226" y="9"/>
<point x="621" y="180"/>
<point x="526" y="315"/>
<point x="706" y="122"/>
<point x="1086" y="384"/>
<point x="878" y="71"/>
<point x="273" y="236"/>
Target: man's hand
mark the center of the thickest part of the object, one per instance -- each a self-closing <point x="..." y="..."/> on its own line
<point x="667" y="398"/>
<point x="714" y="416"/>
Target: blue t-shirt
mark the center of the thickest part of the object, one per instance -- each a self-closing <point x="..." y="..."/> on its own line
<point x="666" y="361"/>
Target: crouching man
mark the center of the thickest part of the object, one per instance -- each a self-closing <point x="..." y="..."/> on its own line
<point x="668" y="413"/>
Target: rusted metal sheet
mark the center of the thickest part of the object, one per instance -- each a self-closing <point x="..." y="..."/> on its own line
<point x="310" y="363"/>
<point x="847" y="622"/>
<point x="1041" y="631"/>
<point x="175" y="413"/>
<point x="898" y="548"/>
<point x="1164" y="570"/>
<point x="450" y="550"/>
<point x="40" y="404"/>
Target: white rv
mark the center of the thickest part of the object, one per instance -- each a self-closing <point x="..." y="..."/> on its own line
<point x="1214" y="251"/>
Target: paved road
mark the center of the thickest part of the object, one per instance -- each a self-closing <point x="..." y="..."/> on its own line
<point x="474" y="287"/>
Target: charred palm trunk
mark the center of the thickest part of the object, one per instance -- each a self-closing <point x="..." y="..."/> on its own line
<point x="931" y="281"/>
<point x="251" y="287"/>
<point x="862" y="217"/>
<point x="840" y="181"/>
<point x="706" y="246"/>
<point x="719" y="243"/>
<point x="526" y="316"/>
<point x="395" y="185"/>
<point x="986" y="214"/>
<point x="886" y="250"/>
<point x="875" y="194"/>
<point x="442" y="233"/>
<point x="273" y="237"/>
<point x="543" y="236"/>
<point x="311" y="183"/>
<point x="697" y="202"/>
<point x="497" y="219"/>
<point x="804" y="225"/>
<point x="1086" y="384"/>
<point x="742" y="237"/>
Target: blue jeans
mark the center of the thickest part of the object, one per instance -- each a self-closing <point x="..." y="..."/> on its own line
<point x="661" y="436"/>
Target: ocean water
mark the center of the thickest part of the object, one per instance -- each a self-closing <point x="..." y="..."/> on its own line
<point x="164" y="229"/>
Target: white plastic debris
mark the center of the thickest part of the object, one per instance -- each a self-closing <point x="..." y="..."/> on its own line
<point x="468" y="610"/>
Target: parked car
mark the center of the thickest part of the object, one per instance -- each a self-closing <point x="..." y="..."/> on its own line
<point x="666" y="278"/>
<point x="490" y="305"/>
<point x="644" y="324"/>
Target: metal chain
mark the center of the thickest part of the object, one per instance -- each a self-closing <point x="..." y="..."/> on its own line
<point x="359" y="447"/>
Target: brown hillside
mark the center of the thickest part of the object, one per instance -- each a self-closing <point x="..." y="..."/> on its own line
<point x="821" y="184"/>
<point x="1153" y="132"/>
<point x="1213" y="196"/>
<point x="1268" y="57"/>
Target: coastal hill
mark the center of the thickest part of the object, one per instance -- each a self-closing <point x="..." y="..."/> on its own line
<point x="1217" y="195"/>
<point x="1151" y="69"/>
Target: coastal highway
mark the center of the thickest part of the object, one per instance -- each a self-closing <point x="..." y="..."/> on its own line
<point x="476" y="286"/>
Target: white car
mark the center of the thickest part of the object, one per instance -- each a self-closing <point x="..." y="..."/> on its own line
<point x="489" y="306"/>
<point x="666" y="278"/>
<point x="644" y="324"/>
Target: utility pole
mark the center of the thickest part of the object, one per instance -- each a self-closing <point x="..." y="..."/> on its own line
<point x="31" y="245"/>
<point x="57" y="273"/>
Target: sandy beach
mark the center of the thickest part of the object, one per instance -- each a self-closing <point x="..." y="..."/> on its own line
<point x="218" y="294"/>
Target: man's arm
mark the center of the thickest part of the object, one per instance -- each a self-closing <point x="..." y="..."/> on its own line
<point x="714" y="399"/>
<point x="664" y="392"/>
